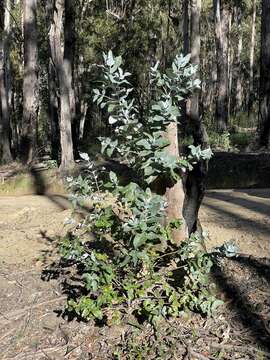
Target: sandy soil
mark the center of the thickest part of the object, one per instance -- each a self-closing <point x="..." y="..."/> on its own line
<point x="30" y="325"/>
<point x="27" y="223"/>
<point x="242" y="215"/>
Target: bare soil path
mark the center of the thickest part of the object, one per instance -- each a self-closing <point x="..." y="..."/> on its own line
<point x="30" y="325"/>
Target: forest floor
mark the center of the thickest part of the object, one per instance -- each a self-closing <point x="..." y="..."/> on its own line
<point x="32" y="298"/>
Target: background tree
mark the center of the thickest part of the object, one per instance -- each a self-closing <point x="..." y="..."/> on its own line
<point x="264" y="110"/>
<point x="30" y="82"/>
<point x="63" y="68"/>
<point x="5" y="152"/>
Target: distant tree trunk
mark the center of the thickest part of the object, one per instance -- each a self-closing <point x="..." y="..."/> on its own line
<point x="251" y="58"/>
<point x="230" y="56"/>
<point x="186" y="27"/>
<point x="53" y="101"/>
<point x="67" y="158"/>
<point x="239" y="89"/>
<point x="195" y="182"/>
<point x="69" y="57"/>
<point x="264" y="107"/>
<point x="4" y="90"/>
<point x="53" y="112"/>
<point x="30" y="82"/>
<point x="221" y="30"/>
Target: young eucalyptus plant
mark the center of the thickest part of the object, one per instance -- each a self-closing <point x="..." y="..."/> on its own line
<point x="142" y="143"/>
<point x="132" y="268"/>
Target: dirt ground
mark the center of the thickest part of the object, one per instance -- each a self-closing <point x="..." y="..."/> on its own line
<point x="31" y="325"/>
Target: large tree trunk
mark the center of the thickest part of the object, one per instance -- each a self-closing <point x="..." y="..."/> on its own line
<point x="69" y="58"/>
<point x="264" y="108"/>
<point x="195" y="182"/>
<point x="251" y="58"/>
<point x="30" y="82"/>
<point x="4" y="90"/>
<point x="61" y="64"/>
<point x="175" y="194"/>
<point x="221" y="30"/>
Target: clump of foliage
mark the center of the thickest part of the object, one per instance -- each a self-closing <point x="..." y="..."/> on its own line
<point x="133" y="268"/>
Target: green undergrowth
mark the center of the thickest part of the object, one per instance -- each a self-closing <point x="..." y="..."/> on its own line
<point x="123" y="255"/>
<point x="130" y="268"/>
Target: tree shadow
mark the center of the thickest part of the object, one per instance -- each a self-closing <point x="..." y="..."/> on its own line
<point x="252" y="205"/>
<point x="249" y="224"/>
<point x="240" y="303"/>
<point x="261" y="193"/>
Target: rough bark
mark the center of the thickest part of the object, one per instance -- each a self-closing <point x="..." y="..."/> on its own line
<point x="53" y="108"/>
<point x="69" y="59"/>
<point x="175" y="195"/>
<point x="186" y="27"/>
<point x="53" y="100"/>
<point x="239" y="89"/>
<point x="251" y="57"/>
<point x="230" y="56"/>
<point x="221" y="32"/>
<point x="264" y="107"/>
<point x="195" y="182"/>
<point x="30" y="82"/>
<point x="61" y="65"/>
<point x="4" y="91"/>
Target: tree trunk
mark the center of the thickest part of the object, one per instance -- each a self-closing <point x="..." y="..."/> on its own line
<point x="175" y="194"/>
<point x="230" y="56"/>
<point x="221" y="30"/>
<point x="251" y="58"/>
<point x="195" y="182"/>
<point x="239" y="89"/>
<point x="53" y="101"/>
<point x="30" y="82"/>
<point x="53" y="112"/>
<point x="186" y="27"/>
<point x="4" y="58"/>
<point x="264" y="107"/>
<point x="69" y="56"/>
<point x="61" y="64"/>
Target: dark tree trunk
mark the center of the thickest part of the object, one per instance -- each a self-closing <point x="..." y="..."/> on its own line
<point x="264" y="108"/>
<point x="69" y="60"/>
<point x="195" y="182"/>
<point x="53" y="100"/>
<point x="251" y="95"/>
<point x="53" y="112"/>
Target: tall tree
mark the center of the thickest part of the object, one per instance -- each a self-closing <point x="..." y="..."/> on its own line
<point x="30" y="81"/>
<point x="63" y="66"/>
<point x="239" y="89"/>
<point x="264" y="107"/>
<point x="221" y="31"/>
<point x="251" y="56"/>
<point x="4" y="88"/>
<point x="195" y="182"/>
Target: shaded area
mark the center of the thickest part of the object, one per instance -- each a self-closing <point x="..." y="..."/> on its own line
<point x="243" y="170"/>
<point x="232" y="198"/>
<point x="253" y="310"/>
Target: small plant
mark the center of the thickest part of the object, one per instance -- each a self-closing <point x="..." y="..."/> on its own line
<point x="220" y="141"/>
<point x="133" y="269"/>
